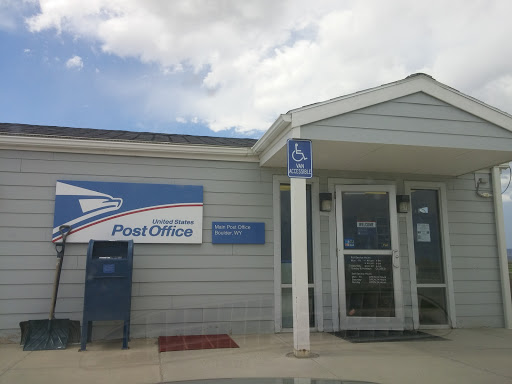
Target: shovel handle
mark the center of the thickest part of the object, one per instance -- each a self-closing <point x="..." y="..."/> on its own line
<point x="58" y="268"/>
<point x="55" y="287"/>
<point x="59" y="247"/>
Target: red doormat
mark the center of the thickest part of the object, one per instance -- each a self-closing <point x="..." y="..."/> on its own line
<point x="187" y="343"/>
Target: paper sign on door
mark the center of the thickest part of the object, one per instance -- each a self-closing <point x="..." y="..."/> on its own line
<point x="423" y="233"/>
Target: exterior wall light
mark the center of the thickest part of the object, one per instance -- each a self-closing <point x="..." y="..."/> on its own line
<point x="402" y="203"/>
<point x="325" y="202"/>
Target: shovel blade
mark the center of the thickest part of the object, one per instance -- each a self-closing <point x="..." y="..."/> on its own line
<point x="44" y="335"/>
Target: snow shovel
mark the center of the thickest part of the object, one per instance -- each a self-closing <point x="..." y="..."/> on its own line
<point x="42" y="335"/>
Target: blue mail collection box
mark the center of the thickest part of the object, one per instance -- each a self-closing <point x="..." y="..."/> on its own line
<point x="108" y="286"/>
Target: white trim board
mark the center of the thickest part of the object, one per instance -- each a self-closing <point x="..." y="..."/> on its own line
<point x="124" y="148"/>
<point x="276" y="183"/>
<point x="270" y="135"/>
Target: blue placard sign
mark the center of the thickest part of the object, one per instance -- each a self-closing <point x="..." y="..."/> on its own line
<point x="238" y="233"/>
<point x="109" y="268"/>
<point x="300" y="159"/>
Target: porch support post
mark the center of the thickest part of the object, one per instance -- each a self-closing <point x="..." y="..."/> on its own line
<point x="502" y="247"/>
<point x="301" y="344"/>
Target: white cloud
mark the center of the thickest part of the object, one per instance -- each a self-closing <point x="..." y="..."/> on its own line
<point x="257" y="59"/>
<point x="75" y="62"/>
<point x="26" y="50"/>
<point x="11" y="12"/>
<point x="181" y="120"/>
<point x="7" y="23"/>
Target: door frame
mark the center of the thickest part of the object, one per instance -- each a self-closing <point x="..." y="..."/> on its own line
<point x="440" y="187"/>
<point x="370" y="323"/>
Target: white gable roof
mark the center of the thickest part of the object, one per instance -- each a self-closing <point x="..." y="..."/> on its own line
<point x="416" y="125"/>
<point x="415" y="83"/>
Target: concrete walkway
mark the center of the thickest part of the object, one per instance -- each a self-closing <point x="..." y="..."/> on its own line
<point x="467" y="356"/>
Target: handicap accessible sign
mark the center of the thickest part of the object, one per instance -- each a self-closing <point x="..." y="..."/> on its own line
<point x="300" y="161"/>
<point x="144" y="213"/>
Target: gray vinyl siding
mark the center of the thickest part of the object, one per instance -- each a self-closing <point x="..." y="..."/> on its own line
<point x="207" y="288"/>
<point x="177" y="289"/>
<point x="476" y="273"/>
<point x="418" y="118"/>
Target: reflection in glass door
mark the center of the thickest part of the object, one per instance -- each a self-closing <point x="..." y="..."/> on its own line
<point x="368" y="259"/>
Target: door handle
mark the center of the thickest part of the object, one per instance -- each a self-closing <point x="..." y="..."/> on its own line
<point x="396" y="258"/>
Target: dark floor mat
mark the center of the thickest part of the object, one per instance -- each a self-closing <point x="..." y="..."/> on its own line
<point x="384" y="336"/>
<point x="186" y="343"/>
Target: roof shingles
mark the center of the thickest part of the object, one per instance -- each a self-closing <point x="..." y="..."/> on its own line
<point x="103" y="134"/>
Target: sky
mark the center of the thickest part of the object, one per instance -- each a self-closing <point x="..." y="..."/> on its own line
<point x="230" y="67"/>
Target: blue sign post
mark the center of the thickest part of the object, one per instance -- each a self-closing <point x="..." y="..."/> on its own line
<point x="300" y="159"/>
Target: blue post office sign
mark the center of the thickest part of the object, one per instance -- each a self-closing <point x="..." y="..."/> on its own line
<point x="144" y="213"/>
<point x="238" y="233"/>
<point x="300" y="159"/>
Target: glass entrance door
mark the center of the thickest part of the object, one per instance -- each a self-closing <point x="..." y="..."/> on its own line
<point x="368" y="259"/>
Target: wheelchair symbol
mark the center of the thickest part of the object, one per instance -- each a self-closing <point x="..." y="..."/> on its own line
<point x="297" y="154"/>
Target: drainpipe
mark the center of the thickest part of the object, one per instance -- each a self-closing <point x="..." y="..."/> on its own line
<point x="502" y="247"/>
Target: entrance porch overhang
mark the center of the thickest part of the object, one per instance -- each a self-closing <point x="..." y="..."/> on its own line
<point x="415" y="126"/>
<point x="394" y="158"/>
